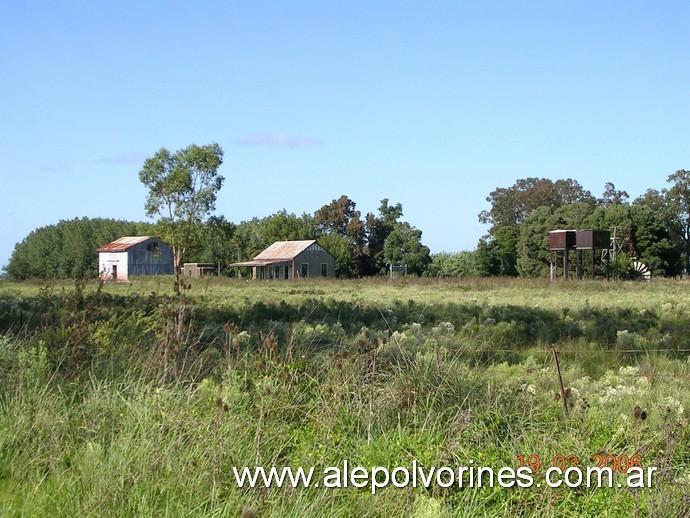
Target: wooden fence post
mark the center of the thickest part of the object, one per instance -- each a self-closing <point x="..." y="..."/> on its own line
<point x="560" y="381"/>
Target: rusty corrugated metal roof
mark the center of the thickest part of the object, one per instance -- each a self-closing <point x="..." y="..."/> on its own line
<point x="284" y="250"/>
<point x="123" y="243"/>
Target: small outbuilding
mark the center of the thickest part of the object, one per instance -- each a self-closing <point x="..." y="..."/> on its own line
<point x="292" y="260"/>
<point x="131" y="256"/>
<point x="198" y="270"/>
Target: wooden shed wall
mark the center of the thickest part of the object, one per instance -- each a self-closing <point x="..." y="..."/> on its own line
<point x="314" y="258"/>
<point x="152" y="257"/>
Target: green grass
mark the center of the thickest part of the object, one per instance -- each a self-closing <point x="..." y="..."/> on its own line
<point x="122" y="402"/>
<point x="521" y="292"/>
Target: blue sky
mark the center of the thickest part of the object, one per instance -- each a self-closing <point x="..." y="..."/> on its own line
<point x="430" y="104"/>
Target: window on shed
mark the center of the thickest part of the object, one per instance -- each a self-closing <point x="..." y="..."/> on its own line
<point x="157" y="254"/>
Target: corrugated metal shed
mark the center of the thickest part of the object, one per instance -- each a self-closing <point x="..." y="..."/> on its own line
<point x="123" y="244"/>
<point x="130" y="256"/>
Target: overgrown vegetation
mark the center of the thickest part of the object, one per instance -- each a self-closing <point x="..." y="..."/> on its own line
<point x="68" y="249"/>
<point x="124" y="400"/>
<point x="655" y="227"/>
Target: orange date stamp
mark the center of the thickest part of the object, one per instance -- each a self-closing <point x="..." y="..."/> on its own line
<point x="621" y="463"/>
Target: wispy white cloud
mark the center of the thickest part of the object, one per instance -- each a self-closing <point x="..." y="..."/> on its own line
<point x="56" y="167"/>
<point x="131" y="157"/>
<point x="278" y="140"/>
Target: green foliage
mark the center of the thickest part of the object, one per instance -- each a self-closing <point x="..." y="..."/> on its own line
<point x="68" y="249"/>
<point x="341" y="220"/>
<point x="512" y="206"/>
<point x="184" y="185"/>
<point x="404" y="247"/>
<point x="521" y="217"/>
<point x="656" y="246"/>
<point x="249" y="240"/>
<point x="512" y="249"/>
<point x="678" y="203"/>
<point x="224" y="242"/>
<point x="282" y="226"/>
<point x="358" y="246"/>
<point x="612" y="196"/>
<point x="217" y="244"/>
<point x="486" y="260"/>
<point x="497" y="255"/>
<point x="533" y="247"/>
<point x="182" y="191"/>
<point x="347" y="258"/>
<point x="651" y="239"/>
<point x="378" y="228"/>
<point x="253" y="236"/>
<point x="340" y="217"/>
<point x="460" y="264"/>
<point x="378" y="373"/>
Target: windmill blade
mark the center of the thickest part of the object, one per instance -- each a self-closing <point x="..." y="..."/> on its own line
<point x="642" y="270"/>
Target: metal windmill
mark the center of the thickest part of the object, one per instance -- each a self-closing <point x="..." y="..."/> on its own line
<point x="622" y="242"/>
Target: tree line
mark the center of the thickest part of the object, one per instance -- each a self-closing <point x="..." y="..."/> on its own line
<point x="68" y="248"/>
<point x="655" y="227"/>
<point x="363" y="245"/>
<point x="182" y="191"/>
<point x="183" y="186"/>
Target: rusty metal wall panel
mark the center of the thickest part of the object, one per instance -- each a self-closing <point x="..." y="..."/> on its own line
<point x="593" y="239"/>
<point x="562" y="240"/>
<point x="584" y="239"/>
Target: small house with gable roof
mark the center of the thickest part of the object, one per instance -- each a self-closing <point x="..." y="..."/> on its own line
<point x="292" y="260"/>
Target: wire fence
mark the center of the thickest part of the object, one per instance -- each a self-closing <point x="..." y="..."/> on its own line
<point x="576" y="351"/>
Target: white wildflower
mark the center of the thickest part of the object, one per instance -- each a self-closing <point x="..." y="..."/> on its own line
<point x="675" y="405"/>
<point x="685" y="480"/>
<point x="628" y="371"/>
<point x="399" y="338"/>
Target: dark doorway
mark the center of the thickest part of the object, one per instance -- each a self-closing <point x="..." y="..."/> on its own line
<point x="114" y="271"/>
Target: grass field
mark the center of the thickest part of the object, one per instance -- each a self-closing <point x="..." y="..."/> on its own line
<point x="495" y="291"/>
<point x="123" y="400"/>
